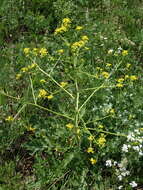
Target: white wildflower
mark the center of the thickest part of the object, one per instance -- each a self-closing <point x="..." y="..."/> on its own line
<point x="133" y="184"/>
<point x="110" y="51"/>
<point x="108" y="163"/>
<point x="125" y="148"/>
<point x="120" y="177"/>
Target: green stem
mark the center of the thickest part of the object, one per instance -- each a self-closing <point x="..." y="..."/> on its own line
<point x="31" y="83"/>
<point x="19" y="111"/>
<point x="76" y="108"/>
<point x="55" y="82"/>
<point x="98" y="119"/>
<point x="110" y="133"/>
<point x="90" y="96"/>
<point x="56" y="113"/>
<point x="3" y="93"/>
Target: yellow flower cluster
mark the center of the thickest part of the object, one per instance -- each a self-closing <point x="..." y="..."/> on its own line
<point x="64" y="26"/>
<point x="43" y="94"/>
<point x="29" y="128"/>
<point x="70" y="126"/>
<point x="26" y="51"/>
<point x="90" y="150"/>
<point x="25" y="69"/>
<point x="101" y="141"/>
<point x="35" y="51"/>
<point x="18" y="76"/>
<point x="124" y="52"/>
<point x="60" y="51"/>
<point x="119" y="85"/>
<point x="91" y="138"/>
<point x="93" y="161"/>
<point x="121" y="80"/>
<point x="105" y="74"/>
<point x="42" y="81"/>
<point x="79" y="28"/>
<point x="133" y="77"/>
<point x="63" y="84"/>
<point x="79" y="44"/>
<point x="9" y="118"/>
<point x="43" y="52"/>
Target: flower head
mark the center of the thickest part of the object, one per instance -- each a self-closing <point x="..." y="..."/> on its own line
<point x="119" y="85"/>
<point x="9" y="118"/>
<point x="26" y="51"/>
<point x="50" y="97"/>
<point x="63" y="84"/>
<point x="93" y="161"/>
<point x="43" y="52"/>
<point x="90" y="150"/>
<point x="133" y="77"/>
<point x="91" y="138"/>
<point x="79" y="28"/>
<point x="133" y="184"/>
<point x="70" y="125"/>
<point x="124" y="52"/>
<point x="42" y="93"/>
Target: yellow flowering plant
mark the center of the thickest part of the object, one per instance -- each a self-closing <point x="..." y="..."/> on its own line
<point x="77" y="93"/>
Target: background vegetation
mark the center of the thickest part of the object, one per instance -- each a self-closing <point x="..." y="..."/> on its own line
<point x="71" y="94"/>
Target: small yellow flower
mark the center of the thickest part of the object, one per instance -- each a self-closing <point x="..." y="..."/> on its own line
<point x="70" y="125"/>
<point x="77" y="45"/>
<point x="99" y="68"/>
<point x="24" y="69"/>
<point x="42" y="81"/>
<point x="26" y="51"/>
<point x="63" y="84"/>
<point x="126" y="76"/>
<point x="101" y="141"/>
<point x="119" y="85"/>
<point x="66" y="21"/>
<point x="32" y="129"/>
<point x="33" y="65"/>
<point x="124" y="52"/>
<point x="50" y="97"/>
<point x="90" y="150"/>
<point x="128" y="65"/>
<point x="43" y="52"/>
<point x="133" y="77"/>
<point x="42" y="93"/>
<point x="120" y="80"/>
<point x="86" y="48"/>
<point x="91" y="138"/>
<point x="79" y="28"/>
<point x="60" y="30"/>
<point x="105" y="74"/>
<point x="35" y="51"/>
<point x="9" y="118"/>
<point x="93" y="161"/>
<point x="100" y="126"/>
<point x="18" y="76"/>
<point x="60" y="51"/>
<point x="112" y="111"/>
<point x="85" y="38"/>
<point x="78" y="131"/>
<point x="108" y="65"/>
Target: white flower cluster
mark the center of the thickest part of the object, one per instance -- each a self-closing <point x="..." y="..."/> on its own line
<point x="110" y="163"/>
<point x="121" y="173"/>
<point x="134" y="142"/>
<point x="132" y="184"/>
